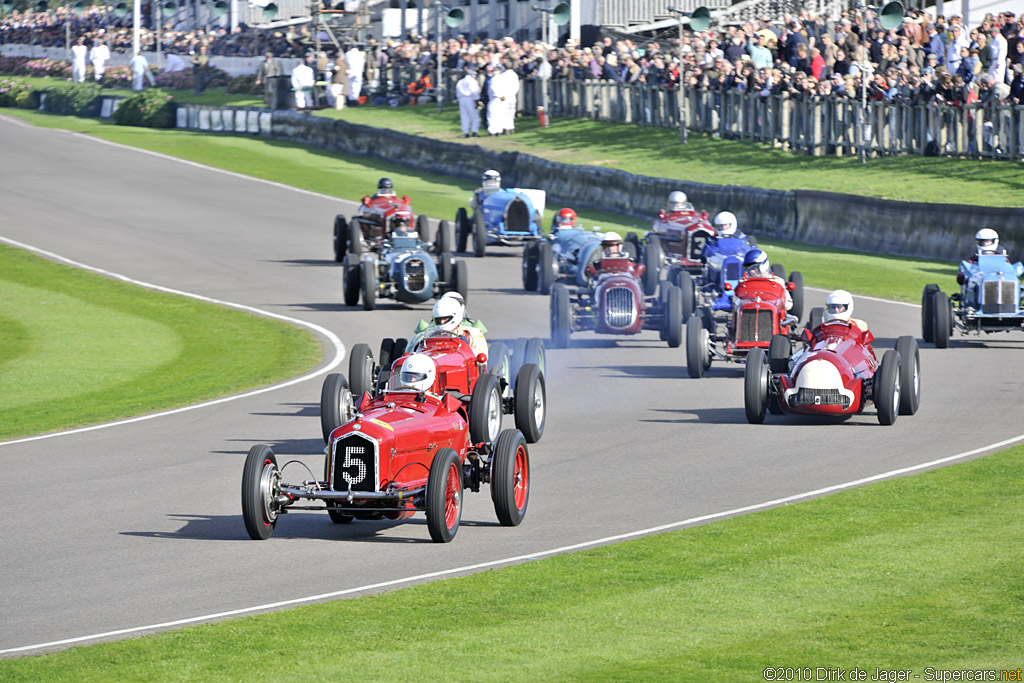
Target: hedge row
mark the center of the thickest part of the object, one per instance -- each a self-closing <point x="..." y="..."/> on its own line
<point x="152" y="108"/>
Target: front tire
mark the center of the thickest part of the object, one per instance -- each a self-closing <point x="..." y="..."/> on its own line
<point x="355" y="238"/>
<point x="460" y="279"/>
<point x="445" y="237"/>
<point x="462" y="228"/>
<point x="652" y="264"/>
<point x="530" y="266"/>
<point x="368" y="275"/>
<point x="479" y="235"/>
<point x="696" y="349"/>
<point x="755" y="386"/>
<point x="444" y="496"/>
<point x="928" y="313"/>
<point x="674" y="317"/>
<point x="340" y="238"/>
<point x="335" y="404"/>
<point x="260" y="483"/>
<point x="423" y="229"/>
<point x="352" y="279"/>
<point x="886" y="391"/>
<point x="688" y="289"/>
<point x="485" y="410"/>
<point x="910" y="374"/>
<point x="797" y="278"/>
<point x="545" y="267"/>
<point x="510" y="478"/>
<point x="530" y="402"/>
<point x="942" y="323"/>
<point x="814" y="319"/>
<point x="561" y="316"/>
<point x="360" y="371"/>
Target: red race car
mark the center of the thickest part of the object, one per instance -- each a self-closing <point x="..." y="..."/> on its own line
<point x="616" y="304"/>
<point x="409" y="449"/>
<point x="372" y="226"/>
<point x="677" y="238"/>
<point x="758" y="319"/>
<point x="836" y="374"/>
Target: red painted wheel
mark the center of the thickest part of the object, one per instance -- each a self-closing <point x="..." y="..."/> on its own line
<point x="510" y="477"/>
<point x="444" y="496"/>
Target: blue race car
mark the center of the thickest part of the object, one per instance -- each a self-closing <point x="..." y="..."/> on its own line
<point x="501" y="216"/>
<point x="989" y="301"/>
<point x="562" y="256"/>
<point x="402" y="270"/>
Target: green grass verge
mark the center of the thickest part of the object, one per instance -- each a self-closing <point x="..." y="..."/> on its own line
<point x="352" y="177"/>
<point x="77" y="348"/>
<point x="911" y="573"/>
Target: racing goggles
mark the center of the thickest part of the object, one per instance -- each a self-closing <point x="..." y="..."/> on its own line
<point x="412" y="378"/>
<point x="986" y="243"/>
<point x="443" y="320"/>
<point x="837" y="308"/>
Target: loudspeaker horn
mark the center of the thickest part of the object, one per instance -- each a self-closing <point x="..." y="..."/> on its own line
<point x="169" y="8"/>
<point x="120" y="9"/>
<point x="453" y="18"/>
<point x="77" y="7"/>
<point x="220" y="8"/>
<point x="891" y="15"/>
<point x="700" y="19"/>
<point x="270" y="11"/>
<point x="561" y="14"/>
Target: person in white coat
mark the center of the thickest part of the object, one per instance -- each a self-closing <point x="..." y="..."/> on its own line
<point x="79" y="55"/>
<point x="511" y="95"/>
<point x="1000" y="49"/>
<point x="468" y="92"/>
<point x="496" y="105"/>
<point x="302" y="83"/>
<point x="140" y="71"/>
<point x="99" y="55"/>
<point x="356" y="59"/>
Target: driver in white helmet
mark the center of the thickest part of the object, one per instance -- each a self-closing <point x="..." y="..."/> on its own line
<point x="417" y="374"/>
<point x="726" y="226"/>
<point x="611" y="244"/>
<point x="449" y="319"/>
<point x="987" y="241"/>
<point x="490" y="181"/>
<point x="839" y="306"/>
<point x="677" y="202"/>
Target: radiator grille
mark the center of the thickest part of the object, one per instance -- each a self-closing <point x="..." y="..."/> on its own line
<point x="415" y="275"/>
<point x="756" y="325"/>
<point x="355" y="463"/>
<point x="998" y="296"/>
<point x="821" y="397"/>
<point x="619" y="308"/>
<point x="517" y="216"/>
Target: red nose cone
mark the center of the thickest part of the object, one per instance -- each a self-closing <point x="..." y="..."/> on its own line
<point x="481" y="358"/>
<point x="791" y="286"/>
<point x="728" y="286"/>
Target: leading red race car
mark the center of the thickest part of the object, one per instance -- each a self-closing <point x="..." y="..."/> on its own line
<point x="836" y="374"/>
<point x="372" y="226"/>
<point x="677" y="238"/>
<point x="408" y="451"/>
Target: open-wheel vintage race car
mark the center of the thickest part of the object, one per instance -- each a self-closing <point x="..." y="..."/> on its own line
<point x="989" y="301"/>
<point x="679" y="236"/>
<point x="503" y="217"/>
<point x="372" y="227"/>
<point x="561" y="256"/>
<point x="835" y="374"/>
<point x="402" y="269"/>
<point x="758" y="315"/>
<point x="616" y="304"/>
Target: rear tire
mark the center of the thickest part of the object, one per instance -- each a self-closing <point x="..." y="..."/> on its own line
<point x="260" y="479"/>
<point x="446" y="268"/>
<point x="688" y="290"/>
<point x="695" y="348"/>
<point x="561" y="316"/>
<point x="460" y="280"/>
<point x="335" y="404"/>
<point x="797" y="278"/>
<point x="814" y="319"/>
<point x="545" y="267"/>
<point x="355" y="238"/>
<point x="360" y="371"/>
<point x="530" y="266"/>
<point x="340" y="238"/>
<point x="462" y="228"/>
<point x="445" y="237"/>
<point x="779" y="350"/>
<point x="910" y="374"/>
<point x="928" y="313"/>
<point x="755" y="386"/>
<point x="485" y="410"/>
<point x="536" y="354"/>
<point x="943" y="320"/>
<point x="444" y="496"/>
<point x="510" y="478"/>
<point x="674" y="317"/>
<point x="530" y="403"/>
<point x="652" y="264"/>
<point x="479" y="235"/>
<point x="886" y="391"/>
<point x="352" y="279"/>
<point x="423" y="229"/>
<point x="778" y="270"/>
<point x="368" y="284"/>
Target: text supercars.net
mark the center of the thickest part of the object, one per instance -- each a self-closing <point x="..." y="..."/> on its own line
<point x="838" y="673"/>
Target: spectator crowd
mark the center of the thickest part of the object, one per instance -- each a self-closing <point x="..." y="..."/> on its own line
<point x="926" y="59"/>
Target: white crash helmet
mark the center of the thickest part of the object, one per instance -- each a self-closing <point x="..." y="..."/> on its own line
<point x="677" y="201"/>
<point x="418" y="372"/>
<point x="725" y="223"/>
<point x="987" y="240"/>
<point x="838" y="306"/>
<point x="491" y="178"/>
<point x="611" y="242"/>
<point x="448" y="314"/>
<point x="456" y="296"/>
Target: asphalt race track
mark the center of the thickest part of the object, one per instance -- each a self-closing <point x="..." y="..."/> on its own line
<point x="140" y="524"/>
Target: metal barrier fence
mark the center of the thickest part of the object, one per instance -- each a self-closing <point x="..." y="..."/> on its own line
<point x="815" y="126"/>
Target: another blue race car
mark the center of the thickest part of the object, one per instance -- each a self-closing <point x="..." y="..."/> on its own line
<point x="560" y="256"/>
<point x="402" y="270"/>
<point x="505" y="217"/>
<point x="989" y="301"/>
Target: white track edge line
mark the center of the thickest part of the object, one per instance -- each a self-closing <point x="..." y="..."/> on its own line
<point x="523" y="558"/>
<point x="339" y="347"/>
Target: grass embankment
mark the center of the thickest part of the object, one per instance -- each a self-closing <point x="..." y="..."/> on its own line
<point x="906" y="574"/>
<point x="657" y="152"/>
<point x="351" y="177"/>
<point x="77" y="348"/>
